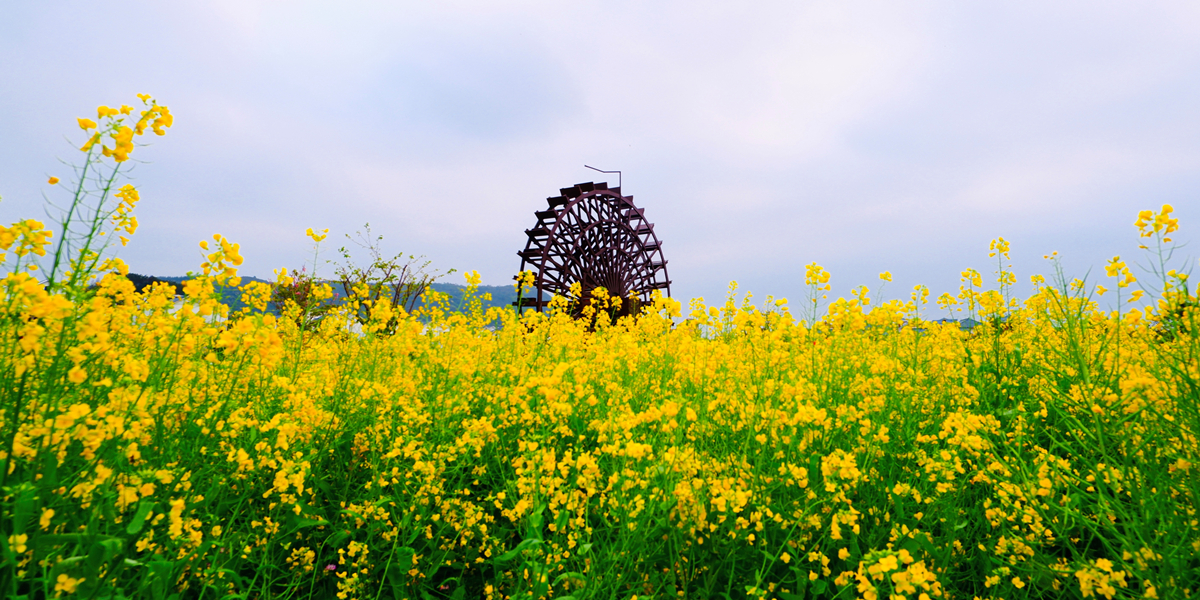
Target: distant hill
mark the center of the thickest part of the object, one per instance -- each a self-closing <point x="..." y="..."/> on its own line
<point x="231" y="296"/>
<point x="141" y="282"/>
<point x="502" y="295"/>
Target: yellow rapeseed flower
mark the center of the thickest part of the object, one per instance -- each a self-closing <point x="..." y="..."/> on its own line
<point x="77" y="374"/>
<point x="65" y="584"/>
<point x="87" y="146"/>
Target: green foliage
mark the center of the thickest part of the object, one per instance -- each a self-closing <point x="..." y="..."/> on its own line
<point x="399" y="280"/>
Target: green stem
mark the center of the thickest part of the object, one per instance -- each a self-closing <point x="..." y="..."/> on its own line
<point x="66" y="222"/>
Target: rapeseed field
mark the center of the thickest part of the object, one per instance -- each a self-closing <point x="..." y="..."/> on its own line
<point x="854" y="450"/>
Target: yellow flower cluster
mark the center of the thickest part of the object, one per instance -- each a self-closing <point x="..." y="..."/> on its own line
<point x="28" y="236"/>
<point x="1117" y="268"/>
<point x="155" y="116"/>
<point x="999" y="247"/>
<point x="155" y="449"/>
<point x="1150" y="222"/>
<point x="317" y="237"/>
<point x="123" y="218"/>
<point x="897" y="571"/>
<point x="1100" y="578"/>
<point x="852" y="451"/>
<point x="815" y="274"/>
<point x="223" y="261"/>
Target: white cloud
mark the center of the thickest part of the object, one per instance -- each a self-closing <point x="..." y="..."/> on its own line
<point x="760" y="137"/>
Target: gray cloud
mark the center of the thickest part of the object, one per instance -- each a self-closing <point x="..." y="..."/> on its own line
<point x="864" y="136"/>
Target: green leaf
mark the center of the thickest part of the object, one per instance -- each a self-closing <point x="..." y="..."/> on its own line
<point x="527" y="544"/>
<point x="56" y="539"/>
<point x="570" y="575"/>
<point x="299" y="524"/>
<point x="336" y="539"/>
<point x="66" y="564"/>
<point x="802" y="582"/>
<point x="160" y="577"/>
<point x="323" y="486"/>
<point x="95" y="559"/>
<point x="231" y="575"/>
<point x="414" y="533"/>
<point x="113" y="547"/>
<point x="436" y="562"/>
<point x="395" y="570"/>
<point x="139" y="518"/>
<point x="536" y="520"/>
<point x="818" y="587"/>
<point x="50" y="470"/>
<point x="927" y="545"/>
<point x="25" y="506"/>
<point x="540" y="587"/>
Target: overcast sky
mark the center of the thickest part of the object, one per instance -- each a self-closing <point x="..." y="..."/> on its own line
<point x="758" y="136"/>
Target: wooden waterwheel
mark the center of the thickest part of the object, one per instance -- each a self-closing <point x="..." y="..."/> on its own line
<point x="593" y="235"/>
